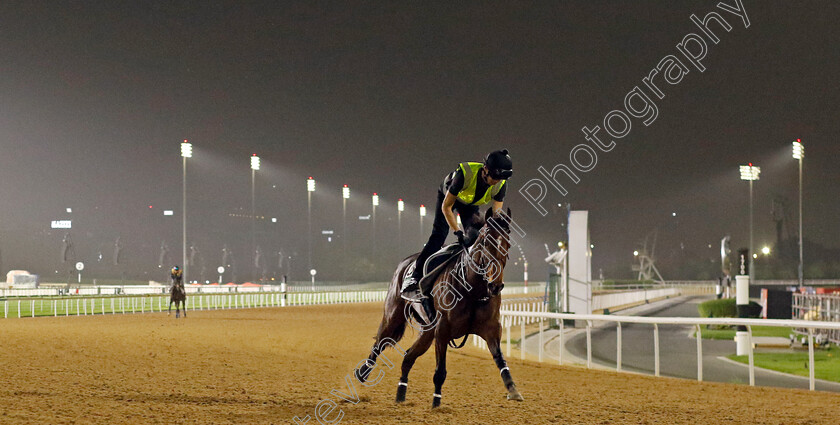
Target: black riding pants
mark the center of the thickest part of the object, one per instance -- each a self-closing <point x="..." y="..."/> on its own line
<point x="440" y="229"/>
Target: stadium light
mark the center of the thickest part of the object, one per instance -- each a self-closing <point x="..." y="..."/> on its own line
<point x="255" y="162"/>
<point x="750" y="173"/>
<point x="345" y="195"/>
<point x="310" y="187"/>
<point x="186" y="152"/>
<point x="422" y="214"/>
<point x="799" y="154"/>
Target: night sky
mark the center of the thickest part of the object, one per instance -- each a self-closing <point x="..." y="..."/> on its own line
<point x="95" y="98"/>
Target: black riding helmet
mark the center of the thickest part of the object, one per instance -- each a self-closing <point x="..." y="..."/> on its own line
<point x="499" y="164"/>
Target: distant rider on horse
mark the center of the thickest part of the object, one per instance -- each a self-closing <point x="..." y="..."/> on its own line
<point x="175" y="275"/>
<point x="472" y="184"/>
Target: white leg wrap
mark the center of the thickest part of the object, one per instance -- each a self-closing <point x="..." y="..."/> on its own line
<point x="504" y="369"/>
<point x="402" y="384"/>
<point x="436" y="395"/>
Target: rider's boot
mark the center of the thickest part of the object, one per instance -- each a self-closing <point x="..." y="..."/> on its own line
<point x="429" y="308"/>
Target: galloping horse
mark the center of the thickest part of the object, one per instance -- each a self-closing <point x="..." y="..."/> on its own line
<point x="178" y="295"/>
<point x="467" y="299"/>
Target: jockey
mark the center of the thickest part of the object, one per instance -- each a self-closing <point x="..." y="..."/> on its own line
<point x="175" y="275"/>
<point x="472" y="184"/>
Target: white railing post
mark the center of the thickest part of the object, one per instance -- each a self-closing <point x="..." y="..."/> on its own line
<point x="589" y="344"/>
<point x="618" y="347"/>
<point x="750" y="352"/>
<point x="560" y="351"/>
<point x="656" y="349"/>
<point x="540" y="350"/>
<point x="507" y="335"/>
<point x="811" y="383"/>
<point x="522" y="339"/>
<point x="699" y="354"/>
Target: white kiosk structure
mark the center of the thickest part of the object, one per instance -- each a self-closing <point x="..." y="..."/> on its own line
<point x="580" y="264"/>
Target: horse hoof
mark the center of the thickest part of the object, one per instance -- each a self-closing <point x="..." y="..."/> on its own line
<point x="515" y="396"/>
<point x="401" y="390"/>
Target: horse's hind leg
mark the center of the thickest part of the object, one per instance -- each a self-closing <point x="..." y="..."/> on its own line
<point x="390" y="331"/>
<point x="169" y="311"/>
<point x="416" y="350"/>
<point x="184" y="304"/>
<point x="493" y="338"/>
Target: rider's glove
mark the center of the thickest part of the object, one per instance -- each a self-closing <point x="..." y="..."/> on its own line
<point x="461" y="240"/>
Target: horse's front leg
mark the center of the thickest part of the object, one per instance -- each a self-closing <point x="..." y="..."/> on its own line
<point x="184" y="304"/>
<point x="493" y="338"/>
<point x="416" y="350"/>
<point x="169" y="310"/>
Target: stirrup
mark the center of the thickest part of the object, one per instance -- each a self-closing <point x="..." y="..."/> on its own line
<point x="411" y="290"/>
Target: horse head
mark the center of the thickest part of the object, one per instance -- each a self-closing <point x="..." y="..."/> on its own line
<point x="490" y="251"/>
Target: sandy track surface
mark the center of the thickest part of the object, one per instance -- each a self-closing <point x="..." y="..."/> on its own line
<point x="269" y="365"/>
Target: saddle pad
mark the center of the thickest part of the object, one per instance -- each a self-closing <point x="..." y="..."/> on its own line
<point x="444" y="257"/>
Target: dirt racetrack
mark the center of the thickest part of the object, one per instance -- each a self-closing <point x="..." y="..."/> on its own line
<point x="269" y="365"/>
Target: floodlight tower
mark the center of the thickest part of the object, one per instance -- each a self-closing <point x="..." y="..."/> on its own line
<point x="374" y="204"/>
<point x="422" y="215"/>
<point x="400" y="209"/>
<point x="310" y="187"/>
<point x="345" y="195"/>
<point x="255" y="165"/>
<point x="186" y="152"/>
<point x="799" y="154"/>
<point x="750" y="173"/>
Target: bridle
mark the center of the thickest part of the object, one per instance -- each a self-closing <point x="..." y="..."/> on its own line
<point x="483" y="264"/>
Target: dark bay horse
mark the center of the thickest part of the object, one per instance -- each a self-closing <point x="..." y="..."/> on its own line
<point x="467" y="299"/>
<point x="178" y="295"/>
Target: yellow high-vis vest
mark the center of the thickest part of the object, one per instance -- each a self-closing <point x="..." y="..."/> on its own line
<point x="467" y="193"/>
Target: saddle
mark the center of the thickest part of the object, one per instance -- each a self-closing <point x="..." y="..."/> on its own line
<point x="432" y="268"/>
<point x="437" y="262"/>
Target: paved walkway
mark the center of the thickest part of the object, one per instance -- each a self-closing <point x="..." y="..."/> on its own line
<point x="678" y="350"/>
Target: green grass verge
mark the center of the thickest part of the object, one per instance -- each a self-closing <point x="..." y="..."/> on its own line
<point x="757" y="331"/>
<point x="826" y="363"/>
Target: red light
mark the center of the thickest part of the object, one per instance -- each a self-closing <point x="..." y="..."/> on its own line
<point x="374" y="193"/>
<point x="400" y="199"/>
<point x="310" y="177"/>
<point x="750" y="164"/>
<point x="422" y="205"/>
<point x="150" y="206"/>
<point x="798" y="141"/>
<point x="253" y="154"/>
<point x="185" y="140"/>
<point x="344" y="185"/>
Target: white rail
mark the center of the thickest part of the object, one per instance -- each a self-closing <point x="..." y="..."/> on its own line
<point x="509" y="316"/>
<point x="82" y="306"/>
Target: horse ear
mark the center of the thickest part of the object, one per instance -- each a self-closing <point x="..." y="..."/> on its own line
<point x="508" y="212"/>
<point x="488" y="214"/>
